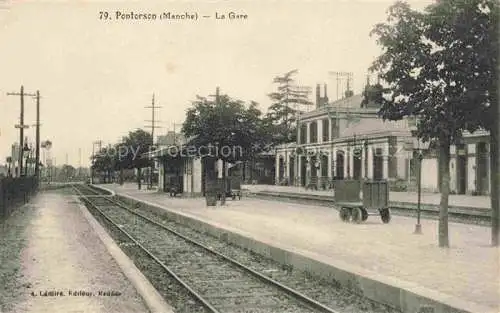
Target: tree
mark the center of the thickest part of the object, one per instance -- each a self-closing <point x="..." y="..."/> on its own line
<point x="224" y="124"/>
<point x="9" y="162"/>
<point x="46" y="145"/>
<point x="281" y="116"/>
<point x="103" y="162"/>
<point x="372" y="95"/>
<point x="227" y="123"/>
<point x="469" y="32"/>
<point x="67" y="173"/>
<point x="440" y="66"/>
<point x="130" y="153"/>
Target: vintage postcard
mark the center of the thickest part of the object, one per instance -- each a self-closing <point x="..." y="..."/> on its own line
<point x="249" y="156"/>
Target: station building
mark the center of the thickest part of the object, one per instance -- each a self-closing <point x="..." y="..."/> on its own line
<point x="187" y="173"/>
<point x="176" y="166"/>
<point x="346" y="139"/>
<point x="343" y="139"/>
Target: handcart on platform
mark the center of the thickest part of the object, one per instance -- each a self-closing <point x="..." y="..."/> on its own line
<point x="173" y="185"/>
<point x="375" y="200"/>
<point x="233" y="188"/>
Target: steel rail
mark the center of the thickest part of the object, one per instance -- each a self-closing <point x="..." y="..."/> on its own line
<point x="461" y="216"/>
<point x="311" y="302"/>
<point x="204" y="302"/>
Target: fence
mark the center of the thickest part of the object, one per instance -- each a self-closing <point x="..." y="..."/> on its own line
<point x="15" y="192"/>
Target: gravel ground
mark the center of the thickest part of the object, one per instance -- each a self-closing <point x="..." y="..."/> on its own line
<point x="324" y="291"/>
<point x="315" y="287"/>
<point x="61" y="252"/>
<point x="226" y="286"/>
<point x="329" y="294"/>
<point x="12" y="242"/>
<point x="169" y="288"/>
<point x="13" y="239"/>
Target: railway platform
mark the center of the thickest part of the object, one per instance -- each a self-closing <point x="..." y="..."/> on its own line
<point x="398" y="198"/>
<point x="64" y="266"/>
<point x="468" y="272"/>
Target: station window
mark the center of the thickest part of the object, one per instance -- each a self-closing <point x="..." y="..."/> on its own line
<point x="334" y="128"/>
<point x="326" y="129"/>
<point x="303" y="134"/>
<point x="313" y="132"/>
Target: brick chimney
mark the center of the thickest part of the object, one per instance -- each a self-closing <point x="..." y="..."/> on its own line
<point x="325" y="97"/>
<point x="318" y="96"/>
<point x="321" y="100"/>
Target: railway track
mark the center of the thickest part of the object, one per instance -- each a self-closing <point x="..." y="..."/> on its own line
<point x="216" y="282"/>
<point x="466" y="216"/>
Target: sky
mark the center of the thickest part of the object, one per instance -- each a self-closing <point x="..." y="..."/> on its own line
<point x="96" y="76"/>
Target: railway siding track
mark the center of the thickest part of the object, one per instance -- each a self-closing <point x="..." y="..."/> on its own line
<point x="218" y="283"/>
<point x="321" y="289"/>
<point x="456" y="214"/>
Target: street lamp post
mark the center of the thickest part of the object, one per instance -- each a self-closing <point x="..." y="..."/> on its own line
<point x="365" y="147"/>
<point x="27" y="157"/>
<point x="349" y="155"/>
<point x="353" y="151"/>
<point x="333" y="117"/>
<point x="9" y="163"/>
<point x="296" y="181"/>
<point x="419" y="155"/>
<point x="92" y="166"/>
<point x="418" y="226"/>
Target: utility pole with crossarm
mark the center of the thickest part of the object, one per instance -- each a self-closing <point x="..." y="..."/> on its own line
<point x="21" y="126"/>
<point x="92" y="172"/>
<point x="153" y="126"/>
<point x="37" y="156"/>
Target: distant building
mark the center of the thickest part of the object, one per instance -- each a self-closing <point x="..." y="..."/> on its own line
<point x="3" y="171"/>
<point x="346" y="139"/>
<point x="15" y="159"/>
<point x="343" y="139"/>
<point x="171" y="138"/>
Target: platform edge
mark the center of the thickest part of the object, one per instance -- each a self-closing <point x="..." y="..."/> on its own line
<point x="151" y="297"/>
<point x="394" y="292"/>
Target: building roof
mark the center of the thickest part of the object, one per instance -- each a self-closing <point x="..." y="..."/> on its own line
<point x="170" y="138"/>
<point x="350" y="102"/>
<point x="342" y="107"/>
<point x="368" y="126"/>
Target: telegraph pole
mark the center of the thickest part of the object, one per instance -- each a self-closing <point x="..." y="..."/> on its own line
<point x="99" y="143"/>
<point x="92" y="165"/>
<point x="153" y="126"/>
<point x="79" y="162"/>
<point x="223" y="193"/>
<point x="37" y="156"/>
<point x="21" y="126"/>
<point x="223" y="196"/>
<point x="66" y="167"/>
<point x="55" y="169"/>
<point x="494" y="175"/>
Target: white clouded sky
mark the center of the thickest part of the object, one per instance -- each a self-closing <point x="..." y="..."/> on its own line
<point x="96" y="76"/>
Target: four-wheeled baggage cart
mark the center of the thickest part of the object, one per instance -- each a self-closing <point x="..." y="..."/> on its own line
<point x="233" y="187"/>
<point x="375" y="200"/>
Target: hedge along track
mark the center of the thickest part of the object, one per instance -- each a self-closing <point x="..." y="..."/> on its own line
<point x="218" y="283"/>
